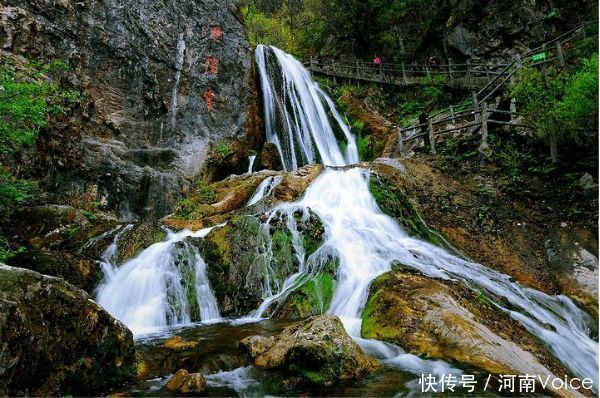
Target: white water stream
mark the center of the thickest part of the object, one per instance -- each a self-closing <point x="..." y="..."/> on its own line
<point x="367" y="242"/>
<point x="147" y="292"/>
<point x="156" y="288"/>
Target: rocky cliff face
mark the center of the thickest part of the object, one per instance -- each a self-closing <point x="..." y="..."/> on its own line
<point x="469" y="29"/>
<point x="163" y="81"/>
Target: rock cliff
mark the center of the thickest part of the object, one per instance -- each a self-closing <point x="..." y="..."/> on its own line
<point x="162" y="83"/>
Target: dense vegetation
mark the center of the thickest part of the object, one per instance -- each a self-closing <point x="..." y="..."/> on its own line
<point x="395" y="29"/>
<point x="562" y="105"/>
<point x="28" y="98"/>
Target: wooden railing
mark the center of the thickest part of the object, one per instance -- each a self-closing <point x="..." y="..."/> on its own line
<point x="554" y="51"/>
<point x="466" y="74"/>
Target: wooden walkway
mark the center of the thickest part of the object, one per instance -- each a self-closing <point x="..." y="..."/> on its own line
<point x="465" y="75"/>
<point x="489" y="79"/>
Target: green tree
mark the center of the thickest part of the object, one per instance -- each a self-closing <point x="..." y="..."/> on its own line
<point x="562" y="106"/>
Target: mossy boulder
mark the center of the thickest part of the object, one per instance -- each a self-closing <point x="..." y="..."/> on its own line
<point x="139" y="237"/>
<point x="242" y="254"/>
<point x="317" y="351"/>
<point x="60" y="241"/>
<point x="313" y="297"/>
<point x="446" y="320"/>
<point x="231" y="254"/>
<point x="212" y="203"/>
<point x="55" y="340"/>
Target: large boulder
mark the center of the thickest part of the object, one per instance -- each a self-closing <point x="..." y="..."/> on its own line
<point x="249" y="250"/>
<point x="315" y="351"/>
<point x="162" y="82"/>
<point x="55" y="340"/>
<point x="453" y="323"/>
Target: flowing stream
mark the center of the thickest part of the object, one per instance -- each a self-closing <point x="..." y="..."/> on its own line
<point x="366" y="242"/>
<point x="166" y="284"/>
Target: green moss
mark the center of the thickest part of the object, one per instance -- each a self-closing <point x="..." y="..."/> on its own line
<point x="313" y="297"/>
<point x="223" y="149"/>
<point x="396" y="205"/>
<point x="372" y="325"/>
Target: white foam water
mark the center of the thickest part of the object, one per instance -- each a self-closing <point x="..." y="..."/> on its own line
<point x="150" y="291"/>
<point x="296" y="114"/>
<point x="366" y="241"/>
<point x="264" y="189"/>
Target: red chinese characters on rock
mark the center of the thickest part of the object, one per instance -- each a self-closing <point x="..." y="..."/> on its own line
<point x="209" y="98"/>
<point x="216" y="33"/>
<point x="211" y="65"/>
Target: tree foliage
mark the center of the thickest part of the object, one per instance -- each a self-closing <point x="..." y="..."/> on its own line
<point x="28" y="98"/>
<point x="329" y="27"/>
<point x="562" y="104"/>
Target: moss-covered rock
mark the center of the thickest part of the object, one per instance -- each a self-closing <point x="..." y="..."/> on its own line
<point x="446" y="320"/>
<point x="210" y="204"/>
<point x="395" y="204"/>
<point x="55" y="340"/>
<point x="244" y="253"/>
<point x="313" y="297"/>
<point x="232" y="253"/>
<point x="139" y="237"/>
<point x="315" y="351"/>
<point x="60" y="241"/>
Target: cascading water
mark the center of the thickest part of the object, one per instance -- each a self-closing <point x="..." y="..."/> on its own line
<point x="251" y="160"/>
<point x="296" y="114"/>
<point x="265" y="188"/>
<point x="166" y="284"/>
<point x="366" y="242"/>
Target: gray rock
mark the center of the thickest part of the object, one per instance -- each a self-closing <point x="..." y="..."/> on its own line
<point x="55" y="340"/>
<point x="587" y="182"/>
<point x="146" y="69"/>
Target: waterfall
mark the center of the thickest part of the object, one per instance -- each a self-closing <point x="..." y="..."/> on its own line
<point x="251" y="160"/>
<point x="178" y="68"/>
<point x="165" y="284"/>
<point x="265" y="188"/>
<point x="366" y="241"/>
<point x="297" y="114"/>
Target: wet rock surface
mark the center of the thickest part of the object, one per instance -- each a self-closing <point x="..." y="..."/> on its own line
<point x="513" y="235"/>
<point x="185" y="383"/>
<point x="242" y="254"/>
<point x="60" y="241"/>
<point x="162" y="83"/>
<point x="55" y="340"/>
<point x="446" y="320"/>
<point x="315" y="351"/>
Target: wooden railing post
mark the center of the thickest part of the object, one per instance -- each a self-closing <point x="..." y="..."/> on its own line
<point x="357" y="69"/>
<point x="311" y="61"/>
<point x="427" y="70"/>
<point x="450" y="68"/>
<point x="452" y="116"/>
<point x="475" y="102"/>
<point x="561" y="55"/>
<point x="431" y="136"/>
<point x="468" y="71"/>
<point x="400" y="140"/>
<point x="404" y="79"/>
<point x="513" y="109"/>
<point x="484" y="146"/>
